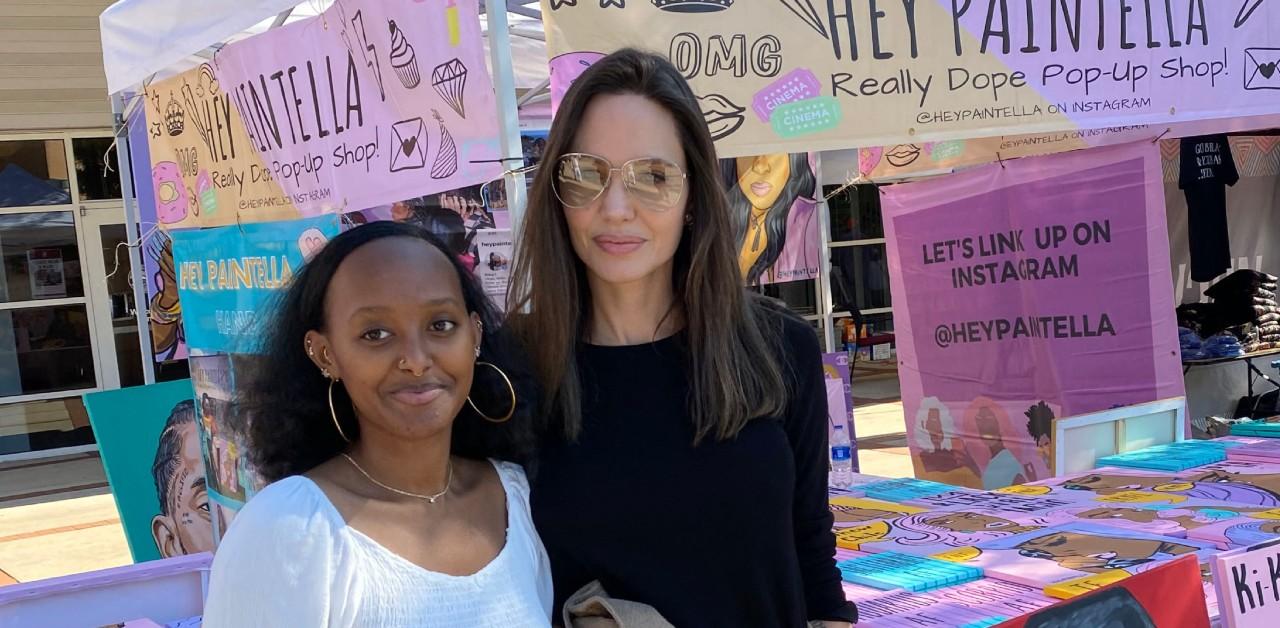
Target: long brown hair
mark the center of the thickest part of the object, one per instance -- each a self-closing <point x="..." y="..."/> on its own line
<point x="733" y="337"/>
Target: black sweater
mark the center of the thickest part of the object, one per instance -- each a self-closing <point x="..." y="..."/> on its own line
<point x="734" y="533"/>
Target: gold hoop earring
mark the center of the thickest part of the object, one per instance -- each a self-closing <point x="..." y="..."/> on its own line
<point x="511" y="388"/>
<point x="334" y="413"/>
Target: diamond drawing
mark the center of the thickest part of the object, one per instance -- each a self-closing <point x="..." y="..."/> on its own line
<point x="450" y="81"/>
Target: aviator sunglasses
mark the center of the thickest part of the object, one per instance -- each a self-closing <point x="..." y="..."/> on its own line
<point x="581" y="178"/>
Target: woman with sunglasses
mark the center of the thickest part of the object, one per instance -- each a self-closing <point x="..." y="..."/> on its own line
<point x="384" y="397"/>
<point x="683" y="462"/>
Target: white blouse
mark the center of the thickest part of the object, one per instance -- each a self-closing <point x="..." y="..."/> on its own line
<point x="289" y="559"/>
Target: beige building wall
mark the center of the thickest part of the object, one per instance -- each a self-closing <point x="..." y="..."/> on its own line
<point x="51" y="75"/>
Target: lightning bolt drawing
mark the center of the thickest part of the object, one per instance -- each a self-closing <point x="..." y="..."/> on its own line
<point x="368" y="51"/>
<point x="155" y="100"/>
<point x="1246" y="11"/>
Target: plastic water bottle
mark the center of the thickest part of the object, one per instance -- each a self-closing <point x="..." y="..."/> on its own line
<point x="841" y="458"/>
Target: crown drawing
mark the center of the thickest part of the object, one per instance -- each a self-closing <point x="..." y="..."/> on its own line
<point x="693" y="6"/>
<point x="175" y="119"/>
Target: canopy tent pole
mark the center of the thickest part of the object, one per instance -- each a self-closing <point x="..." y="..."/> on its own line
<point x="504" y="87"/>
<point x="133" y="236"/>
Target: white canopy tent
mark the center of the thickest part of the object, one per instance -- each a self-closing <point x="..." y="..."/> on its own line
<point x="146" y="39"/>
<point x="171" y="41"/>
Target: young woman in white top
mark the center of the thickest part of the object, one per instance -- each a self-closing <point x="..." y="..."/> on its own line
<point x="383" y="395"/>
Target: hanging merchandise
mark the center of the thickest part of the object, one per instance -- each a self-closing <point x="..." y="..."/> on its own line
<point x="913" y="77"/>
<point x="773" y="201"/>
<point x="1207" y="168"/>
<point x="227" y="276"/>
<point x="495" y="251"/>
<point x="368" y="103"/>
<point x="204" y="172"/>
<point x="168" y="340"/>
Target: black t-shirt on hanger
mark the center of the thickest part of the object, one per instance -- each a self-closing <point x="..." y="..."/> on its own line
<point x="1207" y="168"/>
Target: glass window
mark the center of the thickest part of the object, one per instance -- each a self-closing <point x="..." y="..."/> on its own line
<point x="855" y="213"/>
<point x="40" y="255"/>
<point x="43" y="425"/>
<point x="874" y="328"/>
<point x="97" y="174"/>
<point x="800" y="296"/>
<point x="33" y="172"/>
<point x="45" y="349"/>
<point x="878" y="324"/>
<point x="860" y="278"/>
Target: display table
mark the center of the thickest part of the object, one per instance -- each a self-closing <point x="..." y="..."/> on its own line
<point x="1033" y="546"/>
<point x="1251" y="374"/>
<point x="165" y="591"/>
<point x="915" y="552"/>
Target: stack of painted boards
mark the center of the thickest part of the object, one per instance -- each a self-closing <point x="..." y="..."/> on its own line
<point x="1264" y="428"/>
<point x="918" y="553"/>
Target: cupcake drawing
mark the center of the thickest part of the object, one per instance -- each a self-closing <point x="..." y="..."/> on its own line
<point x="403" y="58"/>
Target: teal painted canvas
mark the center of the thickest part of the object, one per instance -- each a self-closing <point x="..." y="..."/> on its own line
<point x="150" y="447"/>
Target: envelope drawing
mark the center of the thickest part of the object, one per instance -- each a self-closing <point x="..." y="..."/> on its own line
<point x="408" y="145"/>
<point x="1260" y="71"/>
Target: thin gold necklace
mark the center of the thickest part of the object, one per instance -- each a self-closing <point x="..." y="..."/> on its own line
<point x="431" y="499"/>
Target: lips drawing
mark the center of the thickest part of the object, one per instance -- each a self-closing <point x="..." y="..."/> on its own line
<point x="723" y="117"/>
<point x="903" y="155"/>
<point x="761" y="189"/>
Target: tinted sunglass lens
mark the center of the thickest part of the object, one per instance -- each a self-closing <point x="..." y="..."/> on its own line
<point x="580" y="179"/>
<point x="657" y="182"/>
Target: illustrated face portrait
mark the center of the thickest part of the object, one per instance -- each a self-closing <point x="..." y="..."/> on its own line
<point x="1129" y="514"/>
<point x="1269" y="482"/>
<point x="851" y="514"/>
<point x="1087" y="552"/>
<point x="988" y="424"/>
<point x="762" y="178"/>
<point x="969" y="522"/>
<point x="1108" y="484"/>
<point x="933" y="425"/>
<point x="185" y="526"/>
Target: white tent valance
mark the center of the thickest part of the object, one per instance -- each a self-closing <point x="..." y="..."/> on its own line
<point x="141" y="38"/>
<point x="145" y="38"/>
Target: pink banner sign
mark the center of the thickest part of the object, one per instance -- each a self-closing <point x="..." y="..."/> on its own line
<point x="368" y="103"/>
<point x="1023" y="292"/>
